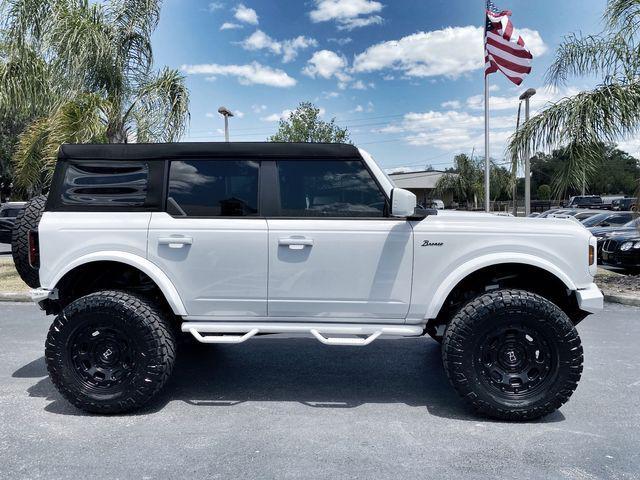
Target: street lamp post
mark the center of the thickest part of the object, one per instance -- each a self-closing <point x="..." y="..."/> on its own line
<point x="526" y="96"/>
<point x="226" y="113"/>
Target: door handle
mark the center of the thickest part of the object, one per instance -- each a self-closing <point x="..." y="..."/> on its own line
<point x="175" y="242"/>
<point x="295" y="243"/>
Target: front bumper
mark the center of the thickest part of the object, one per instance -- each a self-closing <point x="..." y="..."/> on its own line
<point x="590" y="299"/>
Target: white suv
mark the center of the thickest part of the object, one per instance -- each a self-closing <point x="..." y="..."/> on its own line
<point x="227" y="241"/>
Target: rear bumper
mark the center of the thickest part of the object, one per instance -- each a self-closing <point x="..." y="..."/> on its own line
<point x="590" y="299"/>
<point x="40" y="294"/>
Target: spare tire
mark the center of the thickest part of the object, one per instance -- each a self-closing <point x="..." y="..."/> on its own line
<point x="26" y="221"/>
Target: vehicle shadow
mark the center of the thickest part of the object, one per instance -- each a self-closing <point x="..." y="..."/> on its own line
<point x="276" y="369"/>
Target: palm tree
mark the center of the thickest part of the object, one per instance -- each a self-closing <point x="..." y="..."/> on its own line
<point x="467" y="180"/>
<point x="83" y="71"/>
<point x="608" y="113"/>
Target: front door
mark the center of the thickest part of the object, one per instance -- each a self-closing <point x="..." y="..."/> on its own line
<point x="211" y="242"/>
<point x="333" y="253"/>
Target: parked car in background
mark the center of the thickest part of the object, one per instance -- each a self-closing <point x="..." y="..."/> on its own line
<point x="622" y="250"/>
<point x="603" y="233"/>
<point x="586" y="214"/>
<point x="554" y="211"/>
<point x="586" y="201"/>
<point x="626" y="204"/>
<point x="608" y="219"/>
<point x="8" y="213"/>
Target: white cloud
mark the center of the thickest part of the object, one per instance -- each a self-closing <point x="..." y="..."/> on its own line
<point x="454" y="104"/>
<point x="258" y="108"/>
<point x="246" y="15"/>
<point x="451" y="52"/>
<point x="259" y="40"/>
<point x="327" y="64"/>
<point x="358" y="109"/>
<point x="631" y="146"/>
<point x="452" y="129"/>
<point x="236" y="113"/>
<point x="341" y="41"/>
<point x="276" y="117"/>
<point x="213" y="6"/>
<point x="249" y="74"/>
<point x="543" y="97"/>
<point x="284" y="115"/>
<point x="348" y="14"/>
<point x="230" y="26"/>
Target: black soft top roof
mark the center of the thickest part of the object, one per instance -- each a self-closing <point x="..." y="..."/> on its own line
<point x="162" y="151"/>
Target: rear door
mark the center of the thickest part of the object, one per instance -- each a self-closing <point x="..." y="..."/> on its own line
<point x="212" y="241"/>
<point x="334" y="253"/>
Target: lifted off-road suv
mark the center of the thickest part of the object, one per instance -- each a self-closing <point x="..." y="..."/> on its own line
<point x="141" y="244"/>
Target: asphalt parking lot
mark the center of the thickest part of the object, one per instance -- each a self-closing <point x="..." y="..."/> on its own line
<point x="292" y="408"/>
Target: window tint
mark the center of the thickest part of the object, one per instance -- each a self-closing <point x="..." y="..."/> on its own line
<point x="618" y="219"/>
<point x="317" y="188"/>
<point x="208" y="188"/>
<point x="105" y="184"/>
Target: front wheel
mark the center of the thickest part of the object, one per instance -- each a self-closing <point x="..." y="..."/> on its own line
<point x="110" y="352"/>
<point x="513" y="355"/>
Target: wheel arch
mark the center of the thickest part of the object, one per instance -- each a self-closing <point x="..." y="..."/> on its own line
<point x="130" y="262"/>
<point x="518" y="271"/>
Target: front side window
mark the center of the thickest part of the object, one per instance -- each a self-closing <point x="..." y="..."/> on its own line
<point x="332" y="188"/>
<point x="213" y="188"/>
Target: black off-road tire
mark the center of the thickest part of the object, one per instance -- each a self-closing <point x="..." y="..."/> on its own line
<point x="142" y="346"/>
<point x="26" y="221"/>
<point x="532" y="331"/>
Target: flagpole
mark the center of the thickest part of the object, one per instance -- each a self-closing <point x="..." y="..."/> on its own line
<point x="487" y="156"/>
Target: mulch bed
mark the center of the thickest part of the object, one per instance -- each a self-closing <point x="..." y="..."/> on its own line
<point x="618" y="283"/>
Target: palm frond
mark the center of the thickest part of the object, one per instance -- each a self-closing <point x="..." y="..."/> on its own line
<point x="164" y="102"/>
<point x="80" y="120"/>
<point x="608" y="55"/>
<point x="25" y="83"/>
<point x="607" y="114"/>
<point x="624" y="15"/>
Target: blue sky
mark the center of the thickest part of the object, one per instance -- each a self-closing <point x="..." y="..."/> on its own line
<point x="405" y="76"/>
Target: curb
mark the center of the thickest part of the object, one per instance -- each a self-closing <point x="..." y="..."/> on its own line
<point x="623" y="299"/>
<point x="15" y="297"/>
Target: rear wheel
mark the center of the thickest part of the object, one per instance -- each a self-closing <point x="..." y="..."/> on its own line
<point x="26" y="221"/>
<point x="513" y="355"/>
<point x="110" y="352"/>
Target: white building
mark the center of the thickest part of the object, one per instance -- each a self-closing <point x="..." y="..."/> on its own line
<point x="423" y="184"/>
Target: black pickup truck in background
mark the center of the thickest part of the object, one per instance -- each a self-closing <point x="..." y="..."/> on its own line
<point x="587" y="201"/>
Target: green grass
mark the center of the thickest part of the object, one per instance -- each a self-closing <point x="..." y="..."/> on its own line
<point x="9" y="279"/>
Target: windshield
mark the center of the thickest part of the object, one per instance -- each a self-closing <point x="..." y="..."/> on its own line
<point x="633" y="223"/>
<point x="595" y="220"/>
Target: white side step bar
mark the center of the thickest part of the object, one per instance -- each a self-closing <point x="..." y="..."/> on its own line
<point x="233" y="333"/>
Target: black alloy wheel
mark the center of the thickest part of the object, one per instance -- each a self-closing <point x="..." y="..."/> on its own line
<point x="512" y="355"/>
<point x="515" y="361"/>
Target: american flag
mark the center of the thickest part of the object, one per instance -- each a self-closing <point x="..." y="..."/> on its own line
<point x="504" y="47"/>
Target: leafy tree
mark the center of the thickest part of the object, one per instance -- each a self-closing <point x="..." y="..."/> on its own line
<point x="544" y="192"/>
<point x="615" y="172"/>
<point x="605" y="114"/>
<point x="82" y="71"/>
<point x="305" y="125"/>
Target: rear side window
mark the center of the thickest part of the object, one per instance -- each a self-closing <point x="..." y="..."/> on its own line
<point x="213" y="188"/>
<point x="325" y="188"/>
<point x="105" y="184"/>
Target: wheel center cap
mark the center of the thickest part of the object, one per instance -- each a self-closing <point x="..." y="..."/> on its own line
<point x="511" y="356"/>
<point x="108" y="354"/>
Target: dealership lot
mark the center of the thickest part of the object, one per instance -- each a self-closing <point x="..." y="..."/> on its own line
<point x="292" y="408"/>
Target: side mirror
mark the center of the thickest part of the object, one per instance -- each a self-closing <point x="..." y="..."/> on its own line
<point x="403" y="203"/>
